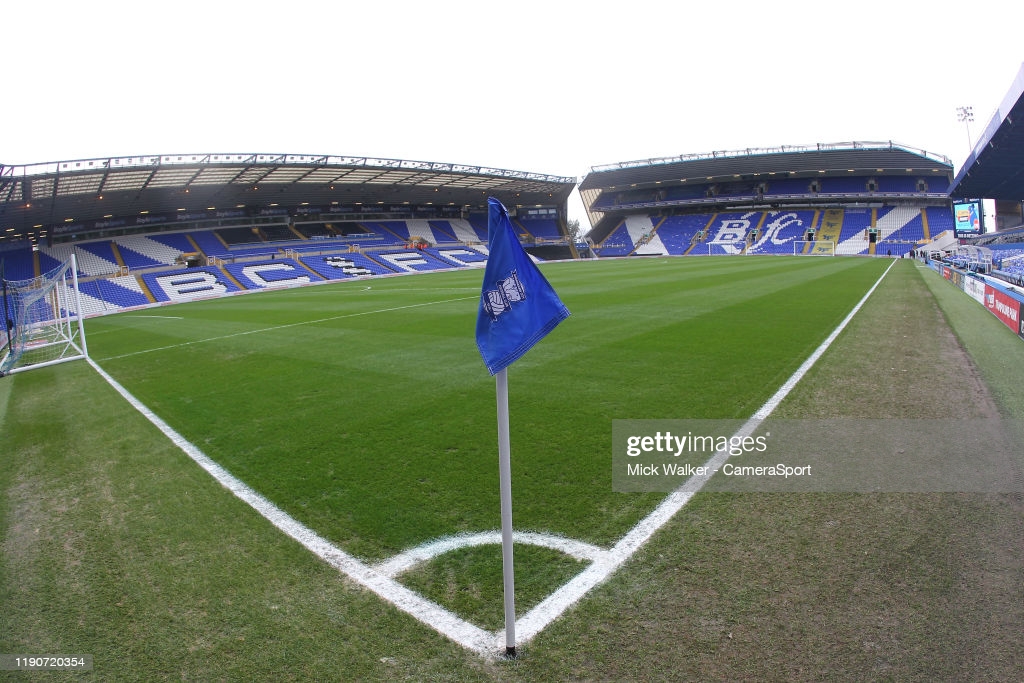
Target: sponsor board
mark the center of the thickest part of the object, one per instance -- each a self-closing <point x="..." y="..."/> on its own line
<point x="975" y="288"/>
<point x="1004" y="307"/>
<point x="957" y="278"/>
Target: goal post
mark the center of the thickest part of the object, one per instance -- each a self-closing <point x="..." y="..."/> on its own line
<point x="814" y="248"/>
<point x="43" y="321"/>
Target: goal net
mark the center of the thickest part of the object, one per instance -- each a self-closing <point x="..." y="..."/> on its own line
<point x="814" y="248"/>
<point x="41" y="320"/>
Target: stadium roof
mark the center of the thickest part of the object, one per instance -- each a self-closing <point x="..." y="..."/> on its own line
<point x="995" y="168"/>
<point x="871" y="157"/>
<point x="35" y="196"/>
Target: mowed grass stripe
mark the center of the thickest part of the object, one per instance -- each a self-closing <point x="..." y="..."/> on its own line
<point x="378" y="431"/>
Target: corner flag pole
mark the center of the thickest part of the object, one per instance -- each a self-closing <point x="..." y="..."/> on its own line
<point x="505" y="474"/>
<point x="517" y="309"/>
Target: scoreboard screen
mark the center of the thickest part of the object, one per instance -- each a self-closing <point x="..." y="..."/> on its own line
<point x="967" y="217"/>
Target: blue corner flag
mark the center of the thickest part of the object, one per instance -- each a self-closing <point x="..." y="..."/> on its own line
<point x="518" y="306"/>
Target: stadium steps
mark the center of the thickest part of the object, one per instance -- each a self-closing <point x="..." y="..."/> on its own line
<point x="231" y="277"/>
<point x="117" y="255"/>
<point x="831" y="226"/>
<point x="195" y="245"/>
<point x="700" y="236"/>
<point x="144" y="288"/>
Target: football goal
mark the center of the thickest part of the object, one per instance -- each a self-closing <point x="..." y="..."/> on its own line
<point x="42" y="322"/>
<point x="814" y="248"/>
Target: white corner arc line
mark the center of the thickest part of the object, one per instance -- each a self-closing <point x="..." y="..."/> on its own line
<point x="379" y="578"/>
<point x="423" y="553"/>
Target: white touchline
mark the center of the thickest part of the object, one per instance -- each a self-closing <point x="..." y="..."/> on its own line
<point x="379" y="578"/>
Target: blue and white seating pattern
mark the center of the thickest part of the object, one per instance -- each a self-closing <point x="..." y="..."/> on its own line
<point x="18" y="264"/>
<point x="104" y="290"/>
<point x="408" y="260"/>
<point x="189" y="284"/>
<point x="345" y="266"/>
<point x="139" y="253"/>
<point x="283" y="272"/>
<point x="541" y="228"/>
<point x="458" y="257"/>
<point x="779" y="230"/>
<point x="618" y="242"/>
<point x="677" y="232"/>
<point x="728" y="233"/>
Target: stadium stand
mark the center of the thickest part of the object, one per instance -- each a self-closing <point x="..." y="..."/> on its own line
<point x="759" y="202"/>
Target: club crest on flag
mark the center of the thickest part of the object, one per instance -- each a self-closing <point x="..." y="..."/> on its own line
<point x="507" y="292"/>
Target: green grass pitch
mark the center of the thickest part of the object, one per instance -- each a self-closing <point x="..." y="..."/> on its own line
<point x="364" y="411"/>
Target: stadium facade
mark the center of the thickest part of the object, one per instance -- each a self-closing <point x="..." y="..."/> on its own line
<point x="167" y="228"/>
<point x="859" y="197"/>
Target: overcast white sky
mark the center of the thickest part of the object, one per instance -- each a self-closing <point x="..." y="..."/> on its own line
<point x="550" y="87"/>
